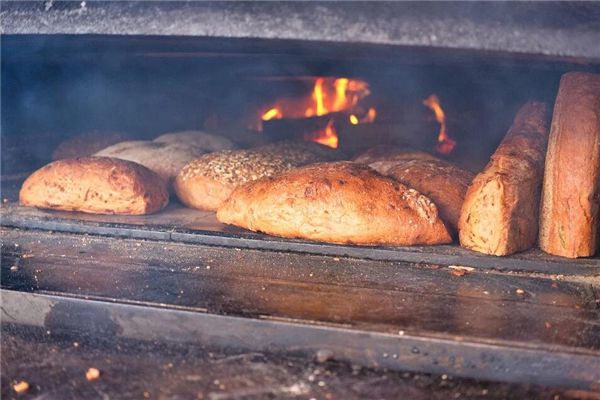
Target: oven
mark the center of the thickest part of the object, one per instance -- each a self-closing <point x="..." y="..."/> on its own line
<point x="177" y="304"/>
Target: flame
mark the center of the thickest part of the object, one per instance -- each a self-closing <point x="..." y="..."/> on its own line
<point x="445" y="143"/>
<point x="328" y="95"/>
<point x="272" y="113"/>
<point x="327" y="136"/>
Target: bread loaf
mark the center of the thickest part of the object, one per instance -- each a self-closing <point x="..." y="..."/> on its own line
<point x="196" y="139"/>
<point x="209" y="180"/>
<point x="339" y="202"/>
<point x="382" y="159"/>
<point x="500" y="213"/>
<point x="443" y="182"/>
<point x="166" y="159"/>
<point x="86" y="144"/>
<point x="569" y="221"/>
<point x="95" y="185"/>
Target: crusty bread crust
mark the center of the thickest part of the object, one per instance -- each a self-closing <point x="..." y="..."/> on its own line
<point x="339" y="202"/>
<point x="443" y="182"/>
<point x="98" y="185"/>
<point x="382" y="158"/>
<point x="569" y="220"/>
<point x="500" y="213"/>
<point x="205" y="183"/>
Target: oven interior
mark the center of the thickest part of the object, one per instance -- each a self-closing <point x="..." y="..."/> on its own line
<point x="58" y="86"/>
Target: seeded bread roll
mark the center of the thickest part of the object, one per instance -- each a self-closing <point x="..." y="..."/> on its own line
<point x="500" y="213"/>
<point x="86" y="144"/>
<point x="302" y="153"/>
<point x="197" y="139"/>
<point x="339" y="202"/>
<point x="166" y="159"/>
<point x="207" y="182"/>
<point x="98" y="185"/>
<point x="443" y="182"/>
<point x="570" y="220"/>
<point x="382" y="159"/>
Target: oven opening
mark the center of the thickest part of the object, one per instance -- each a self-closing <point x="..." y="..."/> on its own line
<point x="359" y="189"/>
<point x="455" y="106"/>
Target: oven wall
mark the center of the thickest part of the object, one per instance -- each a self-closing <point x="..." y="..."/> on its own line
<point x="56" y="86"/>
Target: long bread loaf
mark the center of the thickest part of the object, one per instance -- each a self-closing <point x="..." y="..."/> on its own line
<point x="569" y="220"/>
<point x="500" y="213"/>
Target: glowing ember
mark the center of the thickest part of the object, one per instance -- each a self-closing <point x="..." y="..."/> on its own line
<point x="445" y="143"/>
<point x="327" y="136"/>
<point x="271" y="114"/>
<point x="328" y="95"/>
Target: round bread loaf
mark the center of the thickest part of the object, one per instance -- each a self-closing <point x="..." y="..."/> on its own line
<point x="207" y="182"/>
<point x="382" y="158"/>
<point x="443" y="182"/>
<point x="99" y="185"/>
<point x="198" y="139"/>
<point x="166" y="159"/>
<point x="339" y="202"/>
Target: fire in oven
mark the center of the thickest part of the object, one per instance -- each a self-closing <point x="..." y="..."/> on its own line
<point x="207" y="210"/>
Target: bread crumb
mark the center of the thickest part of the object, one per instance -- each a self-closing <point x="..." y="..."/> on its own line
<point x="21" y="387"/>
<point x="520" y="291"/>
<point x="92" y="374"/>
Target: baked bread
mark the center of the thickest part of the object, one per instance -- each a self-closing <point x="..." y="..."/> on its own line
<point x="207" y="182"/>
<point x="384" y="158"/>
<point x="96" y="185"/>
<point x="569" y="220"/>
<point x="302" y="152"/>
<point x="443" y="182"/>
<point x="500" y="213"/>
<point x="339" y="202"/>
<point x="86" y="144"/>
<point x="166" y="159"/>
<point x="197" y="139"/>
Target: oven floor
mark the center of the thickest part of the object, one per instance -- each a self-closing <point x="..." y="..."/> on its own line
<point x="483" y="324"/>
<point x="183" y="225"/>
<point x="55" y="367"/>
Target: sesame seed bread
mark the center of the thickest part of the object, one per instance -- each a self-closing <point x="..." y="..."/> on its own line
<point x="207" y="182"/>
<point x="443" y="182"/>
<point x="338" y="202"/>
<point x="384" y="158"/>
<point x="569" y="220"/>
<point x="96" y="185"/>
<point x="500" y="213"/>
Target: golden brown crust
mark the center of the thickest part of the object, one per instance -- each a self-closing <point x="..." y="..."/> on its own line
<point x="97" y="185"/>
<point x="569" y="221"/>
<point x="383" y="158"/>
<point x="444" y="183"/>
<point x="86" y="144"/>
<point x="206" y="182"/>
<point x="339" y="202"/>
<point x="500" y="213"/>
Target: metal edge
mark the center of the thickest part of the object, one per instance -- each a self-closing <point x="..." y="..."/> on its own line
<point x="376" y="350"/>
<point x="253" y="241"/>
